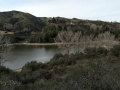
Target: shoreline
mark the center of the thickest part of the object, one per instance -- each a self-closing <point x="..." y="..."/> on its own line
<point x="17" y="70"/>
<point x="40" y="44"/>
<point x="36" y="44"/>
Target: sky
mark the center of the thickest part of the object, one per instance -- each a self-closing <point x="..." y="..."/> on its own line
<point x="105" y="10"/>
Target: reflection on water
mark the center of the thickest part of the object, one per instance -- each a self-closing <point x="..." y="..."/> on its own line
<point x="23" y="54"/>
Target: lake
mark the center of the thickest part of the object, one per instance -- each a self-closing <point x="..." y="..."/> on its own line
<point x="22" y="54"/>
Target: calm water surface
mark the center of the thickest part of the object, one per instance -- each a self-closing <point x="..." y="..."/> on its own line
<point x="23" y="54"/>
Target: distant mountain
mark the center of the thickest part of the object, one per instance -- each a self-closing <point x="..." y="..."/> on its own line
<point x="19" y="21"/>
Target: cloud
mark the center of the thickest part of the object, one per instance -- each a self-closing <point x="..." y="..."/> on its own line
<point x="83" y="9"/>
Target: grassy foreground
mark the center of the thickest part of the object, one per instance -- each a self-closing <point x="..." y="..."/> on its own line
<point x="95" y="69"/>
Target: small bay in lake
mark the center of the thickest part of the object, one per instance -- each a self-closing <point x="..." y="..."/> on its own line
<point x="21" y="54"/>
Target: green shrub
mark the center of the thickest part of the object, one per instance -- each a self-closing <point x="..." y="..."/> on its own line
<point x="56" y="56"/>
<point x="41" y="65"/>
<point x="115" y="50"/>
<point x="32" y="66"/>
<point x="56" y="60"/>
<point x="3" y="69"/>
<point x="97" y="74"/>
<point x="93" y="52"/>
<point x="77" y="56"/>
<point x="69" y="61"/>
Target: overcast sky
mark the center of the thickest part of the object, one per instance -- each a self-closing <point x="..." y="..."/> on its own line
<point x="105" y="10"/>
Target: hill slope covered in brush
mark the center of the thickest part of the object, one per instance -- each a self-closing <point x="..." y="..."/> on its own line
<point x="43" y="29"/>
<point x="19" y="21"/>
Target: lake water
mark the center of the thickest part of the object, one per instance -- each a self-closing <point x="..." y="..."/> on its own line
<point x="23" y="54"/>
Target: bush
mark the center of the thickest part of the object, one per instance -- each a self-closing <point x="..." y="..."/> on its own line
<point x="31" y="66"/>
<point x="56" y="60"/>
<point x="41" y="65"/>
<point x="97" y="74"/>
<point x="61" y="60"/>
<point x="115" y="50"/>
<point x="3" y="69"/>
<point x="93" y="52"/>
<point x="77" y="56"/>
<point x="69" y="61"/>
<point x="56" y="56"/>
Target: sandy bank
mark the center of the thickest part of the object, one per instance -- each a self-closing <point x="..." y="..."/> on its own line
<point x="18" y="70"/>
<point x="36" y="44"/>
<point x="114" y="42"/>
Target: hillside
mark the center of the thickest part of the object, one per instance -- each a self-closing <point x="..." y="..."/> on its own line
<point x="42" y="29"/>
<point x="19" y="21"/>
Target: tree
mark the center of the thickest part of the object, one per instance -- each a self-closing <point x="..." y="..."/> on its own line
<point x="78" y="40"/>
<point x="65" y="40"/>
<point x="4" y="48"/>
<point x="82" y="41"/>
<point x="87" y="41"/>
<point x="68" y="39"/>
<point x="105" y="40"/>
